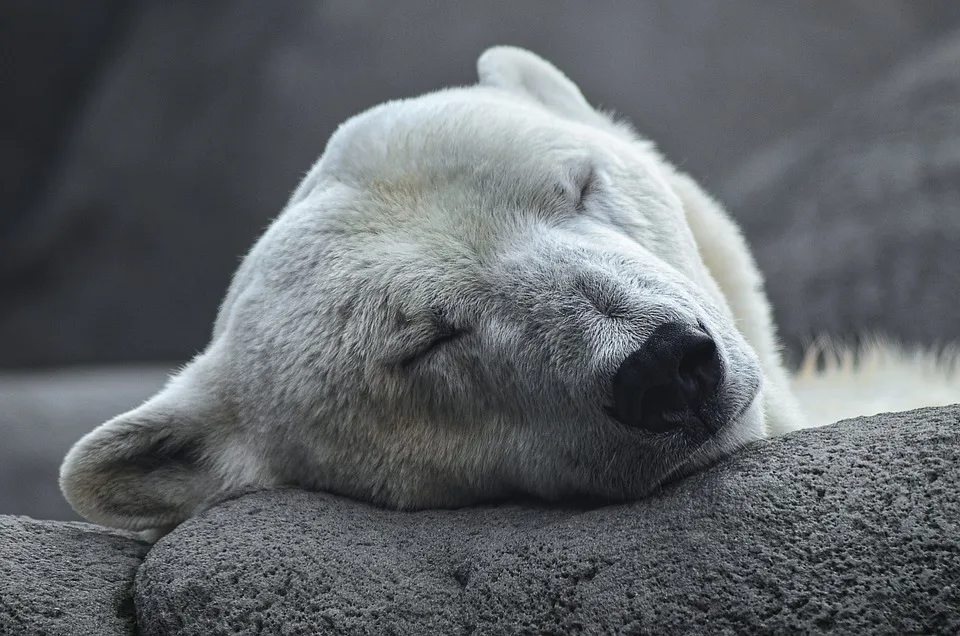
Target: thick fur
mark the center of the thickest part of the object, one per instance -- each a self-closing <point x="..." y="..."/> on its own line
<point x="436" y="317"/>
<point x="835" y="383"/>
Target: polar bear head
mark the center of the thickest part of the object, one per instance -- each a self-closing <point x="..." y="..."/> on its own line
<point x="479" y="293"/>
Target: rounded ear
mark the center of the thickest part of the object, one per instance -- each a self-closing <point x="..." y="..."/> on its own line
<point x="524" y="73"/>
<point x="146" y="468"/>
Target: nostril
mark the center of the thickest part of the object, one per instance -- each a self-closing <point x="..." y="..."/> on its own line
<point x="699" y="369"/>
<point x="699" y="354"/>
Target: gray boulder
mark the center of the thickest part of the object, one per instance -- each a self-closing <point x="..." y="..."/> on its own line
<point x="853" y="528"/>
<point x="66" y="579"/>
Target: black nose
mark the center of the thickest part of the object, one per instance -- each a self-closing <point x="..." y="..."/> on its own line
<point x="665" y="383"/>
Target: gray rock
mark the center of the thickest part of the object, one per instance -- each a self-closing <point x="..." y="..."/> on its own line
<point x="851" y="528"/>
<point x="69" y="579"/>
<point x="856" y="220"/>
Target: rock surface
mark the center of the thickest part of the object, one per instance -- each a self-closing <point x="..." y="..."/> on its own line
<point x="66" y="579"/>
<point x="852" y="528"/>
<point x="855" y="221"/>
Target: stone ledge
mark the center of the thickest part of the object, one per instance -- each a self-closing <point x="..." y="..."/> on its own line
<point x="66" y="578"/>
<point x="851" y="528"/>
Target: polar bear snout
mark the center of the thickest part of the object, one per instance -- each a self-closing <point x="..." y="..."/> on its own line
<point x="669" y="380"/>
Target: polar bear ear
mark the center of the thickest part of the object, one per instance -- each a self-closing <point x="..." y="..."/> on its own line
<point x="524" y="73"/>
<point x="146" y="468"/>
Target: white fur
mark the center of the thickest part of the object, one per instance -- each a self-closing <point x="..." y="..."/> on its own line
<point x="439" y="315"/>
<point x="880" y="377"/>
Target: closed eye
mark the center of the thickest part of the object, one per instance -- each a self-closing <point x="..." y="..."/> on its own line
<point x="445" y="333"/>
<point x="588" y="185"/>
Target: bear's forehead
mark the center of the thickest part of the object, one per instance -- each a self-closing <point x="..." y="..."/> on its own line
<point x="470" y="129"/>
<point x="462" y="172"/>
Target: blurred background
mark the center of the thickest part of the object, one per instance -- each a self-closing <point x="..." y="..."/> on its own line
<point x="144" y="145"/>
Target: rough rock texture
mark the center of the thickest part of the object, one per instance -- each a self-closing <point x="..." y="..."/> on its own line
<point x="856" y="220"/>
<point x="854" y="528"/>
<point x="69" y="579"/>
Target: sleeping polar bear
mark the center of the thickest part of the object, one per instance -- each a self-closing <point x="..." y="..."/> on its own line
<point x="480" y="293"/>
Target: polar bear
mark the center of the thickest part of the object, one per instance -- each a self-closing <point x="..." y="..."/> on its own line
<point x="479" y="293"/>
